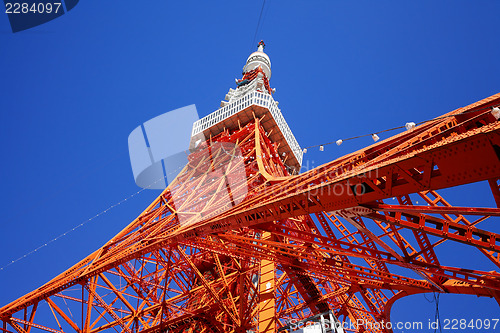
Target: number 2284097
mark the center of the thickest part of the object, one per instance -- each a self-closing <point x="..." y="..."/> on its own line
<point x="36" y="8"/>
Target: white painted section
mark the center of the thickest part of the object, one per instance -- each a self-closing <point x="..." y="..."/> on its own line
<point x="237" y="105"/>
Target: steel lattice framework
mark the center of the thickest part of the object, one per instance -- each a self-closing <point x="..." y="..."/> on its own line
<point x="296" y="246"/>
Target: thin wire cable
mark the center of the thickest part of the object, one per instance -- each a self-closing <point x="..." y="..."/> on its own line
<point x="88" y="220"/>
<point x="436" y="315"/>
<point x="390" y="129"/>
<point x="258" y="24"/>
<point x="265" y="15"/>
<point x="57" y="190"/>
<point x="432" y="301"/>
<point x="64" y="299"/>
<point x="401" y="127"/>
<point x="263" y="20"/>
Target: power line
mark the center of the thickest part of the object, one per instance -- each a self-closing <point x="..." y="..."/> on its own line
<point x="258" y="23"/>
<point x="436" y="315"/>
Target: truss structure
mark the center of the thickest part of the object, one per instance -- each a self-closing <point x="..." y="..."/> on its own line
<point x="272" y="247"/>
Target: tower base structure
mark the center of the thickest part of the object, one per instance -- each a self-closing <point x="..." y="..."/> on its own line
<point x="240" y="242"/>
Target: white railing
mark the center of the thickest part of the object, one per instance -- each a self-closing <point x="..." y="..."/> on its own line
<point x="254" y="98"/>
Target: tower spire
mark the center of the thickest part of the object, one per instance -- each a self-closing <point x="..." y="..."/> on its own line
<point x="261" y="46"/>
<point x="252" y="98"/>
<point x="258" y="59"/>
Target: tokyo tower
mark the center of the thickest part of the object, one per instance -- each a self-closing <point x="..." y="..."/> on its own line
<point x="241" y="241"/>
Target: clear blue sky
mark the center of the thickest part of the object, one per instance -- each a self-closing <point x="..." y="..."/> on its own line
<point x="73" y="89"/>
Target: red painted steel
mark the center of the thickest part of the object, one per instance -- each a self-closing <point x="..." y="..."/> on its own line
<point x="329" y="237"/>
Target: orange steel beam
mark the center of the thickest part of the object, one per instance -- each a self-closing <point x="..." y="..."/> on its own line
<point x="41" y="327"/>
<point x="436" y="210"/>
<point x="304" y="199"/>
<point x="18" y="328"/>
<point x="32" y="316"/>
<point x="439" y="200"/>
<point x="109" y="310"/>
<point x="451" y="286"/>
<point x="443" y="228"/>
<point x="332" y="267"/>
<point x="155" y="307"/>
<point x="171" y="270"/>
<point x="63" y="315"/>
<point x="267" y="310"/>
<point x="211" y="291"/>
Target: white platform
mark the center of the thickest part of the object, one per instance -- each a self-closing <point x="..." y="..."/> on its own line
<point x="242" y="110"/>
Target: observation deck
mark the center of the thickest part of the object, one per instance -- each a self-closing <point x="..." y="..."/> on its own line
<point x="240" y="112"/>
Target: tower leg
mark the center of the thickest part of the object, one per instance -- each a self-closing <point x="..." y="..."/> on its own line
<point x="267" y="310"/>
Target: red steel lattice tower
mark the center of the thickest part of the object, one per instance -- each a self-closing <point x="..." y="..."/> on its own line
<point x="241" y="241"/>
